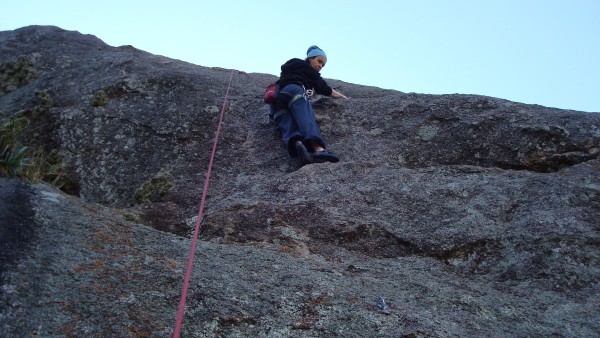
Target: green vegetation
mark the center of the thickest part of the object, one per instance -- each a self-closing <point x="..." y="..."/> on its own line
<point x="20" y="156"/>
<point x="13" y="159"/>
<point x="159" y="186"/>
<point x="131" y="218"/>
<point x="29" y="163"/>
<point x="16" y="74"/>
<point x="100" y="98"/>
<point x="44" y="103"/>
<point x="45" y="168"/>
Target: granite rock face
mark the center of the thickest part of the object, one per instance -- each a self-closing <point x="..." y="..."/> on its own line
<point x="448" y="215"/>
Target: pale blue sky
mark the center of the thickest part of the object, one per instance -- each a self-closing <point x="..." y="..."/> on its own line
<point x="543" y="52"/>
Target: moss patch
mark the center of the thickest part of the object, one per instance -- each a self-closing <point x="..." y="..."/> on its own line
<point x="15" y="74"/>
<point x="155" y="188"/>
<point x="43" y="103"/>
<point x="132" y="218"/>
<point x="100" y="98"/>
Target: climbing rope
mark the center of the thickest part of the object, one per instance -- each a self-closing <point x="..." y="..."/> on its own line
<point x="190" y="264"/>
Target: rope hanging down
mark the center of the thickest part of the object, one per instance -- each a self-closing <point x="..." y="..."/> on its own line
<point x="190" y="264"/>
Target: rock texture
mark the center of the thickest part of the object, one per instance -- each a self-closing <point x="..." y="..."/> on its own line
<point x="448" y="215"/>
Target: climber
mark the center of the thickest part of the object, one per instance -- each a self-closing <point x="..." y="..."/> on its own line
<point x="292" y="110"/>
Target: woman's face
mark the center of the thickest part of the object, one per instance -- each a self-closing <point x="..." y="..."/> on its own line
<point x="318" y="62"/>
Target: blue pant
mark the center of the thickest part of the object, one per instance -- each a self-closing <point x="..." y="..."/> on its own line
<point x="295" y="118"/>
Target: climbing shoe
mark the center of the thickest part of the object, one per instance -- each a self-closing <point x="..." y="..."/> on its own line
<point x="324" y="156"/>
<point x="303" y="153"/>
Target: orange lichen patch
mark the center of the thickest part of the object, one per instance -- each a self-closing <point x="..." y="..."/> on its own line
<point x="98" y="264"/>
<point x="91" y="209"/>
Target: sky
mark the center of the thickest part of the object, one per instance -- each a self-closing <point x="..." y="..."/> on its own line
<point x="544" y="52"/>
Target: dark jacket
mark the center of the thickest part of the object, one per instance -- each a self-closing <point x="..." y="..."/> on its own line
<point x="299" y="71"/>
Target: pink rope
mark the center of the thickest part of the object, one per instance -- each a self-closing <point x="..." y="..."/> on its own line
<point x="188" y="274"/>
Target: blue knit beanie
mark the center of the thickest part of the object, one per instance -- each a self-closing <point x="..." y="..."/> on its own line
<point x="315" y="51"/>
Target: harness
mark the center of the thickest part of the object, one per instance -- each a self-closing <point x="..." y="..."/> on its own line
<point x="306" y="94"/>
